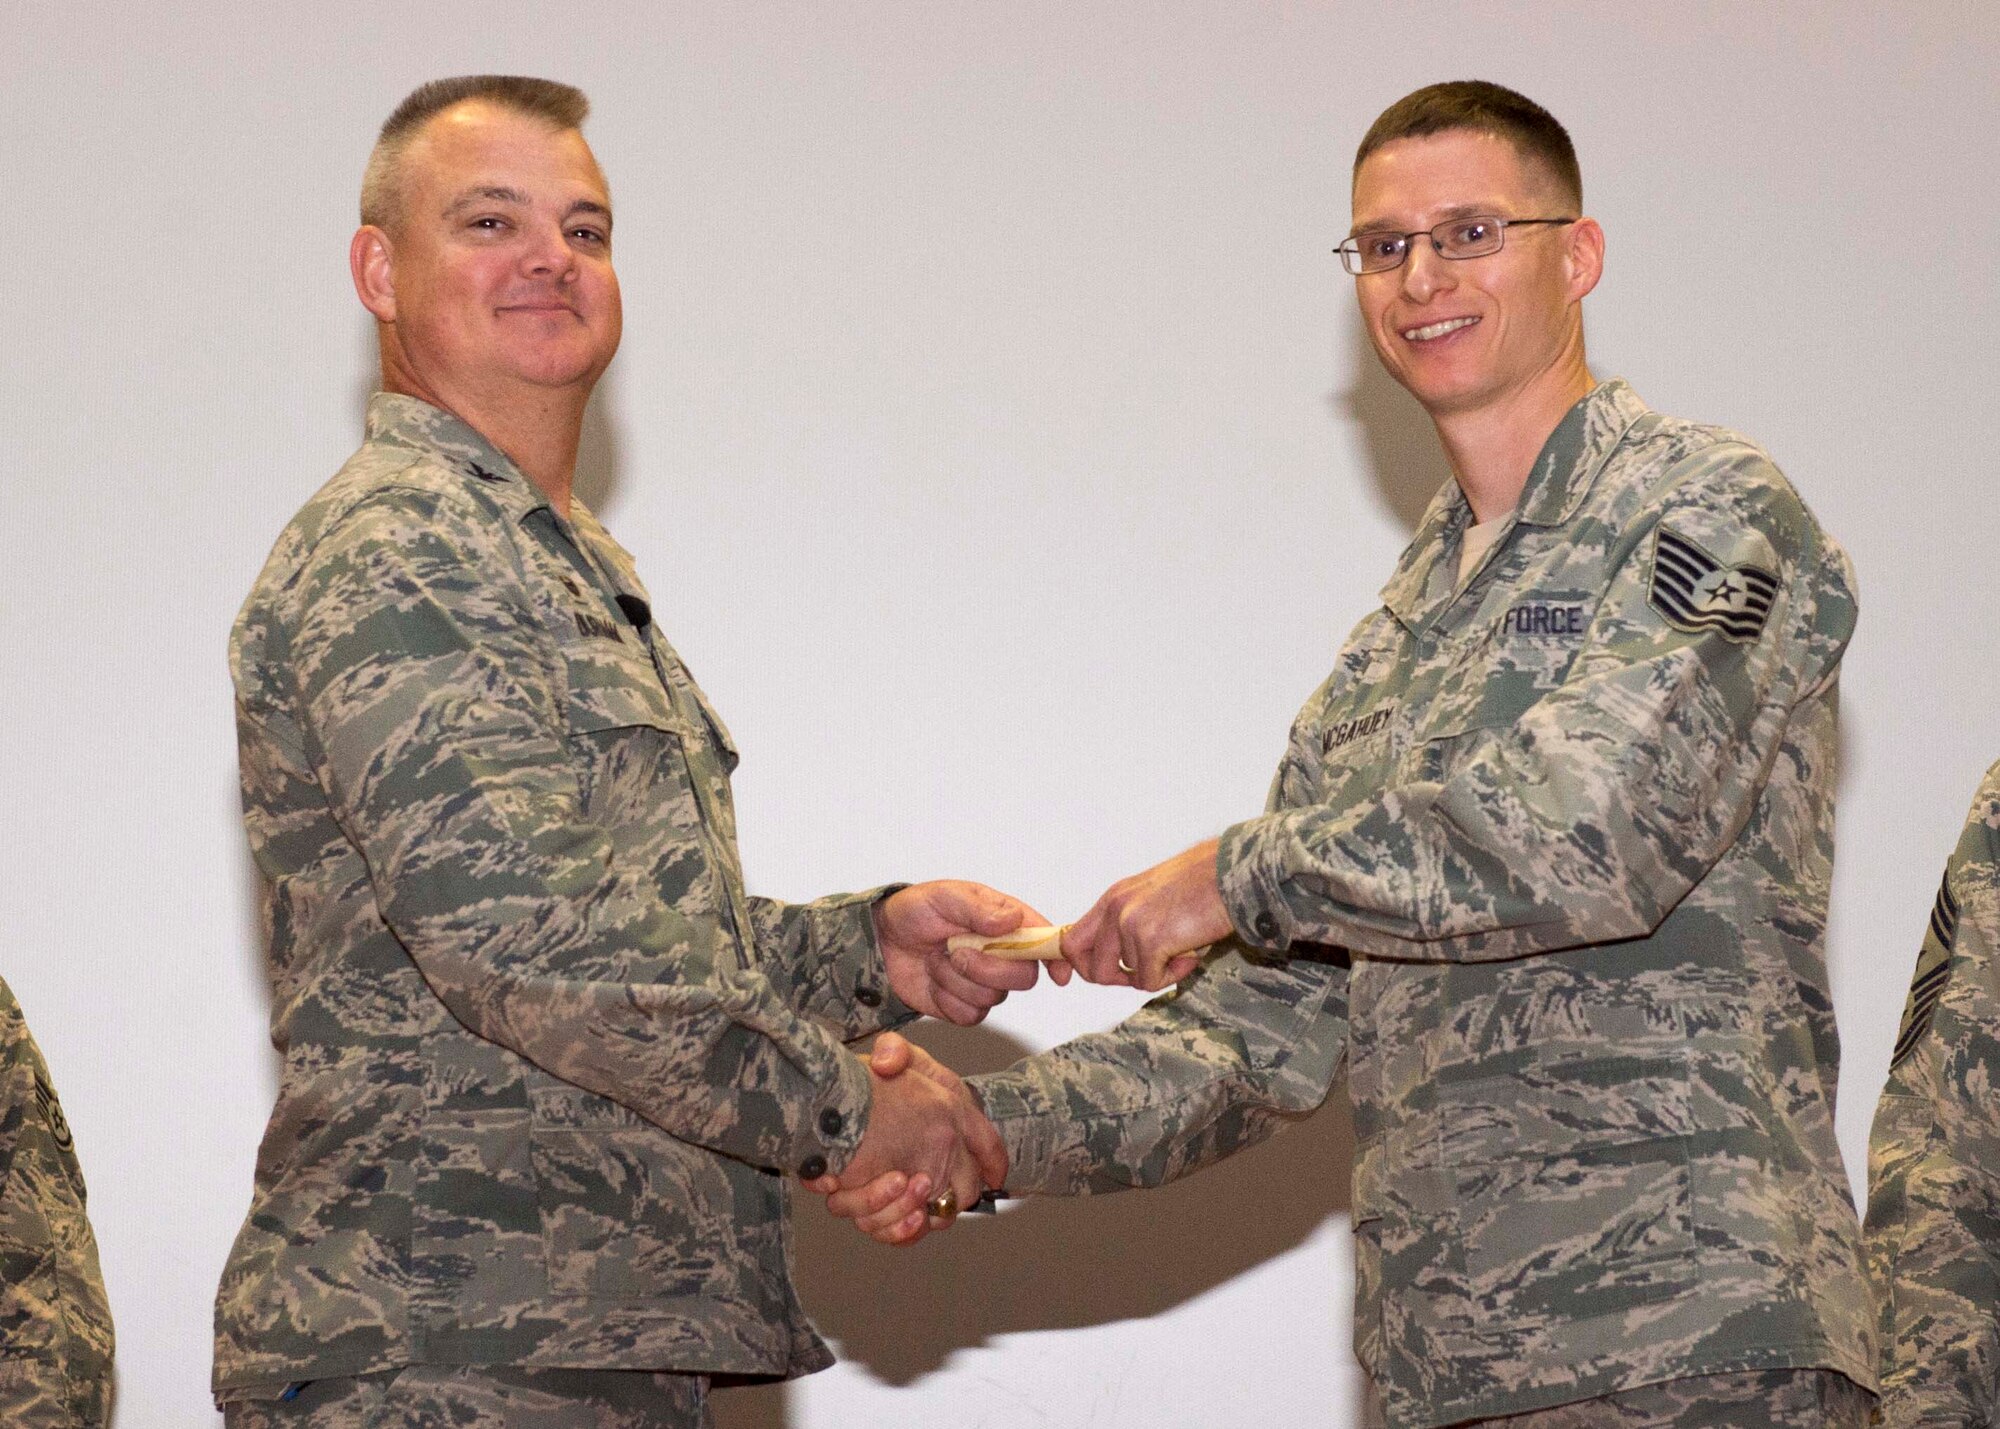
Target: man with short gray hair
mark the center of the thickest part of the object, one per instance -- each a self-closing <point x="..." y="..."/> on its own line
<point x="547" y="1066"/>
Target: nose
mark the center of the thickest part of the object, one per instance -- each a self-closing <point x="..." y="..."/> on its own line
<point x="1426" y="273"/>
<point x="548" y="253"/>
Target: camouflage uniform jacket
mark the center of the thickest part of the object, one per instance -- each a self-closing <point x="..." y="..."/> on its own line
<point x="1547" y="863"/>
<point x="543" y="1058"/>
<point x="55" y="1323"/>
<point x="1934" y="1174"/>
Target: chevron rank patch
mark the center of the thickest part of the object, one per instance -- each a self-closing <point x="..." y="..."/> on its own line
<point x="1696" y="592"/>
<point x="1933" y="972"/>
<point x="52" y="1112"/>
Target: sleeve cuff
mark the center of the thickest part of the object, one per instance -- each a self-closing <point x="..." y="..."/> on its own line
<point x="1024" y="1119"/>
<point x="852" y="993"/>
<point x="835" y="1124"/>
<point x="1250" y="870"/>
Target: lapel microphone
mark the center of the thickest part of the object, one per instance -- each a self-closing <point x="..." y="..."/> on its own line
<point x="636" y="611"/>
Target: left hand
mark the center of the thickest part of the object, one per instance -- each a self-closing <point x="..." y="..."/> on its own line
<point x="1139" y="934"/>
<point x="912" y="924"/>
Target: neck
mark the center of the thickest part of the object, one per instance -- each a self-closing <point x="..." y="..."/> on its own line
<point x="537" y="428"/>
<point x="1492" y="447"/>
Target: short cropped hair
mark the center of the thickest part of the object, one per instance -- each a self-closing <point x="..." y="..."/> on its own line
<point x="562" y="106"/>
<point x="1484" y="108"/>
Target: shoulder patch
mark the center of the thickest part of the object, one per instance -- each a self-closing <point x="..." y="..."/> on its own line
<point x="1694" y="591"/>
<point x="52" y="1112"/>
<point x="1933" y="972"/>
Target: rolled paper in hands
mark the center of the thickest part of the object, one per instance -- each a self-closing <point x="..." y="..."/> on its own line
<point x="1040" y="945"/>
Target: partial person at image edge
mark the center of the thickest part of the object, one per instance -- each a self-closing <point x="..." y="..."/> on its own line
<point x="56" y="1339"/>
<point x="1933" y="1228"/>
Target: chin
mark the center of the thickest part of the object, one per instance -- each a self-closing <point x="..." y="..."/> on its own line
<point x="558" y="369"/>
<point x="1432" y="394"/>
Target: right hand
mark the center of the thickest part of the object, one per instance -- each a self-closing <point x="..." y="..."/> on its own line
<point x="901" y="1160"/>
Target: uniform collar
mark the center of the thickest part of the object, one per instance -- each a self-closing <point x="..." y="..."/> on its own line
<point x="1560" y="479"/>
<point x="412" y="422"/>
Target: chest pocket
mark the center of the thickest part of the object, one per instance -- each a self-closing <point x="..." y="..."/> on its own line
<point x="634" y="752"/>
<point x="690" y="694"/>
<point x="1347" y="739"/>
<point x="1487" y="678"/>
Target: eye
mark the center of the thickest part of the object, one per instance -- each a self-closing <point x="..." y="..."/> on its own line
<point x="587" y="234"/>
<point x="488" y="223"/>
<point x="1471" y="235"/>
<point x="1382" y="245"/>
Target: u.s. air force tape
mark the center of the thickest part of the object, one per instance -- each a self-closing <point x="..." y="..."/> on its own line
<point x="1696" y="592"/>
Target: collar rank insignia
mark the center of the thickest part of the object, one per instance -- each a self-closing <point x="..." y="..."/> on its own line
<point x="1933" y="972"/>
<point x="482" y="473"/>
<point x="1696" y="592"/>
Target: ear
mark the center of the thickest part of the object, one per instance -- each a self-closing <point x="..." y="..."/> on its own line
<point x="1583" y="253"/>
<point x="371" y="260"/>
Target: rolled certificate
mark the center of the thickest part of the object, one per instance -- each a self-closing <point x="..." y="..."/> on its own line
<point x="1041" y="945"/>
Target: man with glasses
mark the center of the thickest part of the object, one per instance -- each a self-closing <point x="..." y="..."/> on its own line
<point x="1545" y="868"/>
<point x="1934" y="1154"/>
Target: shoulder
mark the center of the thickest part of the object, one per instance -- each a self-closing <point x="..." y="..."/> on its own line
<point x="1980" y="844"/>
<point x="1722" y="492"/>
<point x="384" y="494"/>
<point x="15" y="1041"/>
<point x="388" y="509"/>
<point x="1716" y="477"/>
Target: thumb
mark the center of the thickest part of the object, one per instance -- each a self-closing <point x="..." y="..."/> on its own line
<point x="890" y="1057"/>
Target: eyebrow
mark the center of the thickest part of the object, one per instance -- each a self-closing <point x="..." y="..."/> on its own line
<point x="489" y="194"/>
<point x="1445" y="215"/>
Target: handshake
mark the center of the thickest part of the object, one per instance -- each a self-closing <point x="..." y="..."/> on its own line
<point x="929" y="1151"/>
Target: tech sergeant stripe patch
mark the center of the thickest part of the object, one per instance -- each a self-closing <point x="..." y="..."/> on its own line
<point x="1696" y="592"/>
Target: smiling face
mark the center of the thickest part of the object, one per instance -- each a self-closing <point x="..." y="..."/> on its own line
<point x="1464" y="335"/>
<point x="497" y="275"/>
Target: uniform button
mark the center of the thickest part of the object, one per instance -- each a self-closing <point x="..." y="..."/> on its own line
<point x="830" y="1122"/>
<point x="812" y="1168"/>
<point x="867" y="997"/>
<point x="1266" y="926"/>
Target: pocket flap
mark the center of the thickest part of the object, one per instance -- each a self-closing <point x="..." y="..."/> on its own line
<point x="614" y="689"/>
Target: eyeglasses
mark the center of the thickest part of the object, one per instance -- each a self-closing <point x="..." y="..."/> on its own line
<point x="1473" y="237"/>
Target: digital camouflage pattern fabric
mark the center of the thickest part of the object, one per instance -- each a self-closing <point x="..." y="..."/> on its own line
<point x="485" y="1395"/>
<point x="1934" y="1155"/>
<point x="55" y="1322"/>
<point x="544" y="1060"/>
<point x="1546" y="866"/>
<point x="1763" y="1399"/>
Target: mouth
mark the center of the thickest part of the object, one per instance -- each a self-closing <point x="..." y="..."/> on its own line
<point x="1431" y="332"/>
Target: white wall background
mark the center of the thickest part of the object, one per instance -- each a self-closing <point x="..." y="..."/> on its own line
<point x="969" y="347"/>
